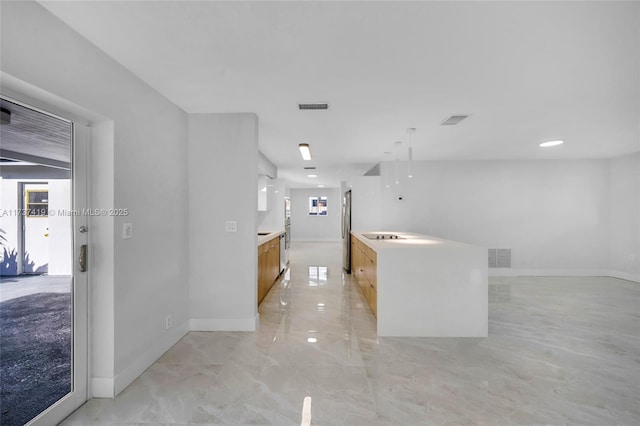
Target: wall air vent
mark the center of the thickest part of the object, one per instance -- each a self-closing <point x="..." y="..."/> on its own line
<point x="499" y="258"/>
<point x="310" y="168"/>
<point x="312" y="106"/>
<point x="454" y="119"/>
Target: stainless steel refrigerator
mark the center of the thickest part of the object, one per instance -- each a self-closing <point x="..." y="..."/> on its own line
<point x="346" y="232"/>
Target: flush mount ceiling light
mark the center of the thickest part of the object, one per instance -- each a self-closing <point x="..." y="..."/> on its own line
<point x="551" y="143"/>
<point x="305" y="151"/>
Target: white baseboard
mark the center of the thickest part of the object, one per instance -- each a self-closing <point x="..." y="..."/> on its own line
<point x="148" y="357"/>
<point x="509" y="272"/>
<point x="101" y="387"/>
<point x="316" y="240"/>
<point x="223" y="324"/>
<point x="626" y="276"/>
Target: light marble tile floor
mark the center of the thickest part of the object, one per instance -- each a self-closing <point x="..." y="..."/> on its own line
<point x="560" y="351"/>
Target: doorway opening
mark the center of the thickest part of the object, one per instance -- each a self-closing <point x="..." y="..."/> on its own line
<point x="36" y="260"/>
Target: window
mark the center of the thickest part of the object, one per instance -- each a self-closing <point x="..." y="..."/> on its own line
<point x="317" y="276"/>
<point x="317" y="206"/>
<point x="37" y="203"/>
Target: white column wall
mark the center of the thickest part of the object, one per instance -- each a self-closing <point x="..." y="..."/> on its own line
<point x="223" y="160"/>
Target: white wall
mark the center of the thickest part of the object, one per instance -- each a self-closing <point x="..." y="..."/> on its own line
<point x="365" y="203"/>
<point x="266" y="166"/>
<point x="625" y="217"/>
<point x="554" y="215"/>
<point x="223" y="160"/>
<point x="150" y="274"/>
<point x="315" y="228"/>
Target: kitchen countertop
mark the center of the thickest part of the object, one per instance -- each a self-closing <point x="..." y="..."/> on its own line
<point x="407" y="240"/>
<point x="271" y="235"/>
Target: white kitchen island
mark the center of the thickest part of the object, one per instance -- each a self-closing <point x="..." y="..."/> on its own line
<point x="427" y="286"/>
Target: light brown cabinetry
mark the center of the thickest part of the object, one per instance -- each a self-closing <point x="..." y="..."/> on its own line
<point x="268" y="266"/>
<point x="364" y="265"/>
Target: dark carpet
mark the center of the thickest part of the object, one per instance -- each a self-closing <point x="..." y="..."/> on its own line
<point x="35" y="355"/>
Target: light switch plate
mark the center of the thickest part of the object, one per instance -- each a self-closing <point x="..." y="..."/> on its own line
<point x="127" y="231"/>
<point x="231" y="226"/>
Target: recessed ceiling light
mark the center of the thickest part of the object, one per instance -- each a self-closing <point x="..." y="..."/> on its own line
<point x="305" y="151"/>
<point x="551" y="143"/>
<point x="321" y="186"/>
<point x="312" y="176"/>
<point x="312" y="340"/>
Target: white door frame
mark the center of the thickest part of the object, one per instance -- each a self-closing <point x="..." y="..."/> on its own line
<point x="80" y="283"/>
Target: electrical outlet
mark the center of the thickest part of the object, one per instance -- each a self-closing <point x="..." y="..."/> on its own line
<point x="168" y="322"/>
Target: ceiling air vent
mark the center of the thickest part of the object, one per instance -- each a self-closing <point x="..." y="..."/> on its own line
<point x="454" y="119"/>
<point x="5" y="116"/>
<point x="310" y="168"/>
<point x="312" y="106"/>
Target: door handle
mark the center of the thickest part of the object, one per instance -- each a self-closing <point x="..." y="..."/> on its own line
<point x="83" y="258"/>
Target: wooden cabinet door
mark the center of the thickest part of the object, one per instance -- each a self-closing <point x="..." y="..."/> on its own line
<point x="276" y="258"/>
<point x="262" y="271"/>
<point x="372" y="277"/>
<point x="353" y="255"/>
<point x="373" y="300"/>
<point x="360" y="258"/>
<point x="270" y="277"/>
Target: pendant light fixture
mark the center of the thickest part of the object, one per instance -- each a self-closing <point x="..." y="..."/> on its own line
<point x="410" y="131"/>
<point x="397" y="144"/>
<point x="386" y="175"/>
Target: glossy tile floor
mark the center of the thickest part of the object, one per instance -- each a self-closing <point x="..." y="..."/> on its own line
<point x="560" y="351"/>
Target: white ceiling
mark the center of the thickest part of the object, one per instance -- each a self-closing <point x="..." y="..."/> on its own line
<point x="526" y="72"/>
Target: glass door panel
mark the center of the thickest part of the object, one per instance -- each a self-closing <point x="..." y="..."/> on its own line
<point x="39" y="301"/>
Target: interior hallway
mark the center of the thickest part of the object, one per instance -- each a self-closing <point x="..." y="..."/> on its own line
<point x="559" y="351"/>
